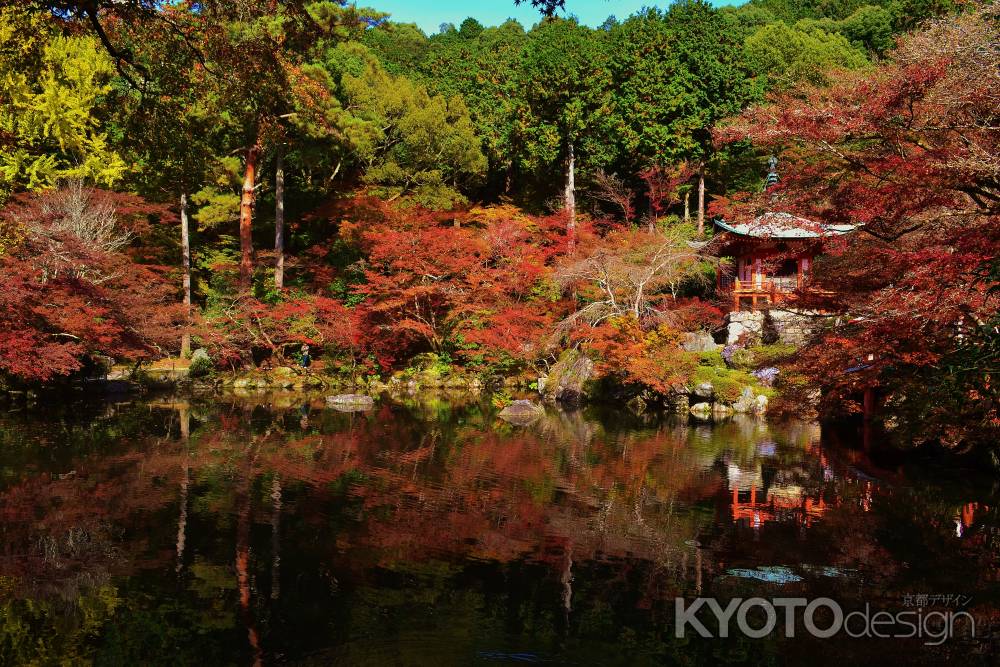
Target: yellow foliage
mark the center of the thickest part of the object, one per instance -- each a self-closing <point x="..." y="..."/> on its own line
<point x="50" y="87"/>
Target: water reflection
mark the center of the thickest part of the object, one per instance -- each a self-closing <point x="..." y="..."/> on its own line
<point x="431" y="531"/>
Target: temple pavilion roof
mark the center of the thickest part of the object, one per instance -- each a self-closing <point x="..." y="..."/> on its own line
<point x="774" y="228"/>
<point x="781" y="225"/>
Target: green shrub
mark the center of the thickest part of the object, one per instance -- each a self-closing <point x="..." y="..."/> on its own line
<point x="731" y="384"/>
<point x="201" y="364"/>
<point x="501" y="399"/>
<point x="429" y="364"/>
<point x="744" y="358"/>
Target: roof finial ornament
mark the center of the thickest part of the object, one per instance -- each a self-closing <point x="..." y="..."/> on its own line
<point x="772" y="172"/>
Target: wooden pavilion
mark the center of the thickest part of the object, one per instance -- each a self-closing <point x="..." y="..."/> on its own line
<point x="772" y="257"/>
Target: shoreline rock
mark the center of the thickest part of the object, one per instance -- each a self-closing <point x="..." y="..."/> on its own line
<point x="522" y="413"/>
<point x="350" y="402"/>
<point x="570" y="380"/>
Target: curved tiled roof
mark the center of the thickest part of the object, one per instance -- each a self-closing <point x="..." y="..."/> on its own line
<point x="780" y="225"/>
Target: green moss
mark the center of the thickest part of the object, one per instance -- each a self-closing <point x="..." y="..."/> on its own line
<point x="713" y="358"/>
<point x="728" y="383"/>
<point x="429" y="366"/>
<point x="703" y="374"/>
<point x="770" y="392"/>
<point x="770" y="355"/>
<point x="744" y="359"/>
<point x="760" y="356"/>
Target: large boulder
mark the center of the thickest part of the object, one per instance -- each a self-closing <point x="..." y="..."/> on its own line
<point x="522" y="412"/>
<point x="350" y="402"/>
<point x="746" y="326"/>
<point x="678" y="402"/>
<point x="721" y="410"/>
<point x="703" y="390"/>
<point x="699" y="341"/>
<point x="701" y="410"/>
<point x="570" y="379"/>
<point x="746" y="401"/>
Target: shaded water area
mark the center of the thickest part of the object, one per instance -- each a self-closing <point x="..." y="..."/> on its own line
<point x="277" y="531"/>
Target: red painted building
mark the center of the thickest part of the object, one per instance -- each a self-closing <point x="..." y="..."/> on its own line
<point x="772" y="257"/>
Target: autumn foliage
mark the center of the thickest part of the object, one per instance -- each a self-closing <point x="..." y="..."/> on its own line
<point x="634" y="356"/>
<point x="72" y="291"/>
<point x="479" y="283"/>
<point x="384" y="258"/>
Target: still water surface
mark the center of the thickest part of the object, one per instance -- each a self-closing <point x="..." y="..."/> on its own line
<point x="277" y="531"/>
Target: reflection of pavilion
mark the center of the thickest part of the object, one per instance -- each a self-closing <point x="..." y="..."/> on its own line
<point x="965" y="518"/>
<point x="757" y="497"/>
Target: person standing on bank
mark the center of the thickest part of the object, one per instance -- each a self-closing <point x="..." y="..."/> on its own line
<point x="306" y="360"/>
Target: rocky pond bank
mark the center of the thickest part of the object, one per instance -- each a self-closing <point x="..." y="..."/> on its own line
<point x="722" y="383"/>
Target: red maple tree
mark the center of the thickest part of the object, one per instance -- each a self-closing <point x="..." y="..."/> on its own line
<point x="71" y="288"/>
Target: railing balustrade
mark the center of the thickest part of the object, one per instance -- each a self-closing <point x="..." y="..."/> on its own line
<point x="763" y="284"/>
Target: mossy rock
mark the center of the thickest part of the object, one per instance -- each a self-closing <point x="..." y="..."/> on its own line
<point x="770" y="355"/>
<point x="701" y="410"/>
<point x="571" y="379"/>
<point x="522" y="412"/>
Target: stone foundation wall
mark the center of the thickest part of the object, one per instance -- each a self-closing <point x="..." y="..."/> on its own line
<point x="745" y="324"/>
<point x="785" y="326"/>
<point x="791" y="327"/>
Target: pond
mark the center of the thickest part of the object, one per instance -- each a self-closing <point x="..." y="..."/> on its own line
<point x="275" y="530"/>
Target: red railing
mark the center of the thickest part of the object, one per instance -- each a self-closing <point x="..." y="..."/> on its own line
<point x="764" y="284"/>
<point x="772" y="289"/>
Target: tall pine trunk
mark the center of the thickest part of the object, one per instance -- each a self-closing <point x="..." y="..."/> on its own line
<point x="279" y="221"/>
<point x="570" y="195"/>
<point x="687" y="207"/>
<point x="186" y="260"/>
<point x="246" y="214"/>
<point x="701" y="199"/>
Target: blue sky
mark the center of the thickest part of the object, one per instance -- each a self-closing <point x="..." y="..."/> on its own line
<point x="430" y="14"/>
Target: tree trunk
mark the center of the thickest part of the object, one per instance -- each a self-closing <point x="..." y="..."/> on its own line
<point x="687" y="207"/>
<point x="186" y="261"/>
<point x="243" y="503"/>
<point x="276" y="538"/>
<point x="701" y="200"/>
<point x="184" y="415"/>
<point x="279" y="221"/>
<point x="571" y="195"/>
<point x="246" y="214"/>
